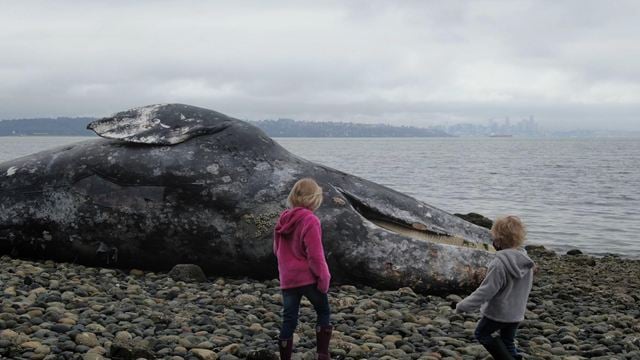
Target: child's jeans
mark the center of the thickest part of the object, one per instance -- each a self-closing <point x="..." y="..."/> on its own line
<point x="486" y="327"/>
<point x="291" y="307"/>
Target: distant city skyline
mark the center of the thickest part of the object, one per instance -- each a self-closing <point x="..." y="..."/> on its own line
<point x="570" y="64"/>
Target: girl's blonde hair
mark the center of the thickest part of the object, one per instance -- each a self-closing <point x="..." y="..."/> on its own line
<point x="509" y="232"/>
<point x="305" y="193"/>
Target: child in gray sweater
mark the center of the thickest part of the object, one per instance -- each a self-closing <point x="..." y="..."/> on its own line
<point x="502" y="296"/>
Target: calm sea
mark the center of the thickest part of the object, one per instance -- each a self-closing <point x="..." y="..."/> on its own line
<point x="571" y="193"/>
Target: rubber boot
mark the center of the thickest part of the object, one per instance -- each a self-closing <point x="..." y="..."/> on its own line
<point x="286" y="348"/>
<point x="498" y="350"/>
<point x="323" y="336"/>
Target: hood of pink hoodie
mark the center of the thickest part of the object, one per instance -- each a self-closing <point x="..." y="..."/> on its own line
<point x="289" y="219"/>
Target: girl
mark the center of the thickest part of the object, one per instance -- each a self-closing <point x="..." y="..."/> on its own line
<point x="303" y="270"/>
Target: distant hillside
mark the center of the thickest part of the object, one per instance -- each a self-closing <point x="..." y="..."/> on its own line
<point x="275" y="128"/>
<point x="62" y="126"/>
<point x="293" y="128"/>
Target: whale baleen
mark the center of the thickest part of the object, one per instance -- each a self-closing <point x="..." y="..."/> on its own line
<point x="170" y="184"/>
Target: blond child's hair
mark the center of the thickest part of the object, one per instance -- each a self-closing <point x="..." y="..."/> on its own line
<point x="509" y="232"/>
<point x="305" y="193"/>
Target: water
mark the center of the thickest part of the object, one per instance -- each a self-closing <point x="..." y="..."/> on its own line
<point x="571" y="193"/>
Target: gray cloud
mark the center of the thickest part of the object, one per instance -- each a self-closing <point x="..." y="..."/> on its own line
<point x="569" y="64"/>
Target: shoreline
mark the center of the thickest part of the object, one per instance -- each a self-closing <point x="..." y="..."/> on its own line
<point x="580" y="307"/>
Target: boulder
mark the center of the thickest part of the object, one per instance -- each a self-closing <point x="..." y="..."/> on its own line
<point x="127" y="349"/>
<point x="540" y="250"/>
<point x="188" y="273"/>
<point x="476" y="219"/>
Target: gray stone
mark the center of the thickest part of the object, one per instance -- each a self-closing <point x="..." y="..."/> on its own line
<point x="188" y="273"/>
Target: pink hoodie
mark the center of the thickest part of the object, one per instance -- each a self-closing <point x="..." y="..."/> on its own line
<point x="297" y="243"/>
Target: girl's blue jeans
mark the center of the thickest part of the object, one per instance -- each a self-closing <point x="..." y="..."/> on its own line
<point x="486" y="327"/>
<point x="291" y="307"/>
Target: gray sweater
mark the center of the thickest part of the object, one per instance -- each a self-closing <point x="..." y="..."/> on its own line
<point x="503" y="294"/>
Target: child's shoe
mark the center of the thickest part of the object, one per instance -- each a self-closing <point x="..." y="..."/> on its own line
<point x="498" y="350"/>
<point x="323" y="336"/>
<point x="286" y="348"/>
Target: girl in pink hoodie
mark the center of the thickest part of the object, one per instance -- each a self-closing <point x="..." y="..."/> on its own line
<point x="297" y="243"/>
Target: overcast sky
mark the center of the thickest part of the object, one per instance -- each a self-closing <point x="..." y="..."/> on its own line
<point x="570" y="64"/>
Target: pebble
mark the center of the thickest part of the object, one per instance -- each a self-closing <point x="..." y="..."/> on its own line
<point x="580" y="307"/>
<point x="204" y="354"/>
<point x="87" y="339"/>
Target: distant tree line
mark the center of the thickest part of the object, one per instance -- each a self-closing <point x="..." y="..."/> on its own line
<point x="68" y="126"/>
<point x="293" y="128"/>
<point x="62" y="126"/>
<point x="65" y="126"/>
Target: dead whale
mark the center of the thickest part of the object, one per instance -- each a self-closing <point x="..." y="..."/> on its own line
<point x="170" y="184"/>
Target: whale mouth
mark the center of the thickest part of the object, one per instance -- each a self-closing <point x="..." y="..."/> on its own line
<point x="413" y="230"/>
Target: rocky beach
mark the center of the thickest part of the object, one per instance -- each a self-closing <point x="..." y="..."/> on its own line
<point x="580" y="307"/>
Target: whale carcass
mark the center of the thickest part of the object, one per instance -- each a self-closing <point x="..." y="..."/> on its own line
<point x="170" y="184"/>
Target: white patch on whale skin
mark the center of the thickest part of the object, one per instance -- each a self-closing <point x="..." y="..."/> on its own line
<point x="282" y="176"/>
<point x="50" y="163"/>
<point x="11" y="171"/>
<point x="262" y="166"/>
<point x="157" y="139"/>
<point x="160" y="151"/>
<point x="59" y="207"/>
<point x="186" y="172"/>
<point x="213" y="169"/>
<point x="226" y="179"/>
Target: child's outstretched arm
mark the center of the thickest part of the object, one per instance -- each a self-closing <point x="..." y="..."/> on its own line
<point x="312" y="237"/>
<point x="492" y="283"/>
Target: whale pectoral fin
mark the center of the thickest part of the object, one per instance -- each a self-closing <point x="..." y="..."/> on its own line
<point x="161" y="124"/>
